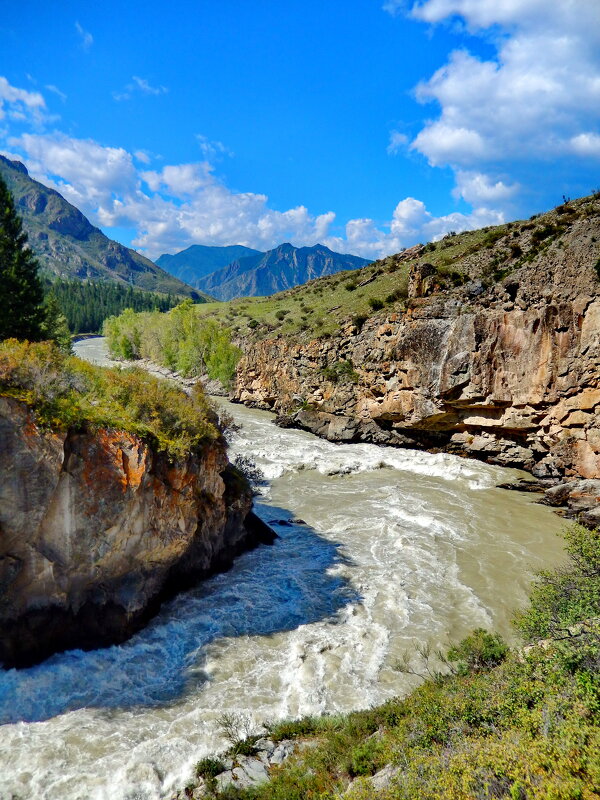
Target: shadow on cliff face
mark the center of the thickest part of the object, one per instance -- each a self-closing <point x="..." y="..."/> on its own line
<point x="268" y="590"/>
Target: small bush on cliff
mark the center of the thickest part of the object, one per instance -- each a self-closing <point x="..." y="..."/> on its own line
<point x="565" y="603"/>
<point x="65" y="391"/>
<point x="359" y="320"/>
<point x="340" y="372"/>
<point x="480" y="650"/>
<point x="209" y="768"/>
<point x="375" y="304"/>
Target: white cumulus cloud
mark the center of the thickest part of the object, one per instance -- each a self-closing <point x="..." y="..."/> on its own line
<point x="183" y="204"/>
<point x="586" y="144"/>
<point x="536" y="101"/>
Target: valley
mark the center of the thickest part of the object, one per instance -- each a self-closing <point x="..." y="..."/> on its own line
<point x="423" y="547"/>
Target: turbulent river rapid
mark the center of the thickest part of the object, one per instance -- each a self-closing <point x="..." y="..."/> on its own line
<point x="393" y="547"/>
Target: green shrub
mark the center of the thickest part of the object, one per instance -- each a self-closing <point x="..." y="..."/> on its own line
<point x="492" y="237"/>
<point x="341" y="372"/>
<point x="244" y="747"/>
<point x="563" y="598"/>
<point x="376" y="304"/>
<point x="209" y="768"/>
<point x="546" y="232"/>
<point x="65" y="391"/>
<point x="363" y="759"/>
<point x="359" y="320"/>
<point x="180" y="340"/>
<point x="480" y="650"/>
<point x="291" y="729"/>
<point x="515" y="250"/>
<point x="597" y="268"/>
<point x="397" y="294"/>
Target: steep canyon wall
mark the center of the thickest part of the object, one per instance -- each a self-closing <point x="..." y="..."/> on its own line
<point x="507" y="372"/>
<point x="96" y="528"/>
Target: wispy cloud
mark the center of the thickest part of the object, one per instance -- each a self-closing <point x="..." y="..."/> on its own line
<point x="55" y="90"/>
<point x="144" y="87"/>
<point x="212" y="150"/>
<point x="87" y="40"/>
<point x="398" y="142"/>
<point x="138" y="85"/>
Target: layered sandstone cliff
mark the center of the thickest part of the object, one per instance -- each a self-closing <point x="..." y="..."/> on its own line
<point x="96" y="528"/>
<point x="506" y="370"/>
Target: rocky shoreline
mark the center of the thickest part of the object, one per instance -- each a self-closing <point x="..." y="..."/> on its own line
<point x="244" y="771"/>
<point x="574" y="498"/>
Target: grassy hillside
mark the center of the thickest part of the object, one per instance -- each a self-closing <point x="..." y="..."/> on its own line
<point x="320" y="307"/>
<point x="67" y="245"/>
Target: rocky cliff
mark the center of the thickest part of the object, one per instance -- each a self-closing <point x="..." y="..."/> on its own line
<point x="496" y="355"/>
<point x="97" y="527"/>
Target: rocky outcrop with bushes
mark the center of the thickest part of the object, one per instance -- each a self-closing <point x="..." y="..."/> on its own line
<point x="116" y="493"/>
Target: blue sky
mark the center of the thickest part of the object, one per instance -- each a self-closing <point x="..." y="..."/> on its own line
<point x="367" y="125"/>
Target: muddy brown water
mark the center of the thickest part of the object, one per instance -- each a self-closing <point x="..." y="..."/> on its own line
<point x="394" y="547"/>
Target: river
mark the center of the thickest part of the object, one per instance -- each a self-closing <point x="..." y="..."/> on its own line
<point x="394" y="547"/>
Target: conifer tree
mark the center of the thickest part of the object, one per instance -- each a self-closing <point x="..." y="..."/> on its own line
<point x="21" y="292"/>
<point x="55" y="325"/>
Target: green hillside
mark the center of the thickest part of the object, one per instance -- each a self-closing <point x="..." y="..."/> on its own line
<point x="485" y="256"/>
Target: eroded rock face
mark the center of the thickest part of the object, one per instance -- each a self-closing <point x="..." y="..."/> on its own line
<point x="97" y="528"/>
<point x="509" y="374"/>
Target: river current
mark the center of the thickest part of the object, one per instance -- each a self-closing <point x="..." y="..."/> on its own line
<point x="378" y="549"/>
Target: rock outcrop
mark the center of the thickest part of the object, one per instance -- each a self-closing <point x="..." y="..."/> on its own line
<point x="97" y="528"/>
<point x="504" y="370"/>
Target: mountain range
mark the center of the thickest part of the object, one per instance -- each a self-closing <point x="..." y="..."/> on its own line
<point x="252" y="273"/>
<point x="67" y="245"/>
<point x="195" y="262"/>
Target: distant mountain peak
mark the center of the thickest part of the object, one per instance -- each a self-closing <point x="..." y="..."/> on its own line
<point x="278" y="269"/>
<point x="18" y="165"/>
<point x="199" y="260"/>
